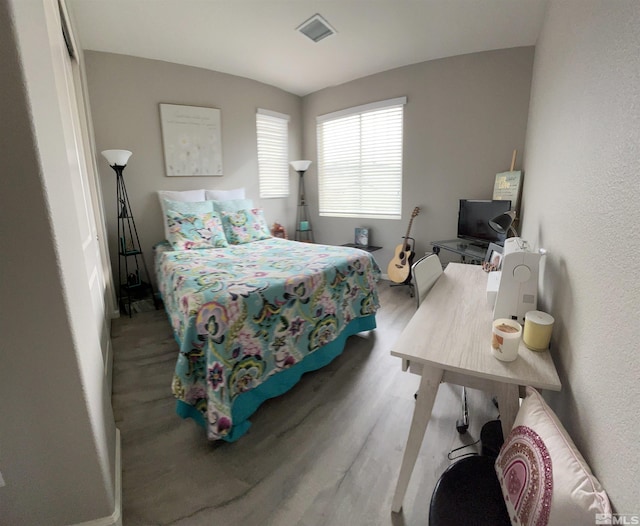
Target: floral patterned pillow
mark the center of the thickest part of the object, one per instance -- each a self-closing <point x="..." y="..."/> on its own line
<point x="195" y="231"/>
<point x="184" y="206"/>
<point x="245" y="226"/>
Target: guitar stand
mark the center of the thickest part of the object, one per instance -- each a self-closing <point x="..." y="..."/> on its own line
<point x="405" y="284"/>
<point x="408" y="282"/>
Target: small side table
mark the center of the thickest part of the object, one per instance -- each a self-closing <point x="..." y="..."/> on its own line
<point x="467" y="250"/>
<point x="368" y="248"/>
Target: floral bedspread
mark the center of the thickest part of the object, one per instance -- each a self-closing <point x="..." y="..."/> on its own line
<point x="247" y="312"/>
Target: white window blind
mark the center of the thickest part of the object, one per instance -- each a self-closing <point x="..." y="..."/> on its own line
<point x="273" y="153"/>
<point x="360" y="161"/>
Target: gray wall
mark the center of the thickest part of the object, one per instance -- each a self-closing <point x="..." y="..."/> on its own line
<point x="125" y="93"/>
<point x="581" y="194"/>
<point x="464" y="117"/>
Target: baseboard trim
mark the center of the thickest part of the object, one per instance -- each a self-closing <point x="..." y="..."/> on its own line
<point x="115" y="519"/>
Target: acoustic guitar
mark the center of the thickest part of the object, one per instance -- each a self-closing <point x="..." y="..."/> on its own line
<point x="399" y="269"/>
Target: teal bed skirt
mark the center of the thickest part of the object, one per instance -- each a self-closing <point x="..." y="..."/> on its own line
<point x="247" y="403"/>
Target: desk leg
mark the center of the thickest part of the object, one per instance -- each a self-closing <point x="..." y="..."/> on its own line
<point x="429" y="383"/>
<point x="508" y="404"/>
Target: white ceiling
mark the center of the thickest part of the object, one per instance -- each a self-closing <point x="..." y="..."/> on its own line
<point x="257" y="39"/>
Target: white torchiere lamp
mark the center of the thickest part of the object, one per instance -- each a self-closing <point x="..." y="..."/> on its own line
<point x="128" y="240"/>
<point x="304" y="231"/>
<point x="117" y="159"/>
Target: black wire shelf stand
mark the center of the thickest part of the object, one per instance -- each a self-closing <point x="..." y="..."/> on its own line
<point x="136" y="283"/>
<point x="304" y="232"/>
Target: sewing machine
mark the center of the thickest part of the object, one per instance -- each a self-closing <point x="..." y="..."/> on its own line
<point x="513" y="290"/>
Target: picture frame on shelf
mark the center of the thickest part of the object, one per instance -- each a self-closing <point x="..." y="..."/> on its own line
<point x="127" y="246"/>
<point x="493" y="258"/>
<point x="362" y="236"/>
<point x="133" y="278"/>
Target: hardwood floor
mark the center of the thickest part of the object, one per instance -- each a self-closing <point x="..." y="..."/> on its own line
<point x="328" y="452"/>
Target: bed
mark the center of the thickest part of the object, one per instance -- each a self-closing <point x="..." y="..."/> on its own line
<point x="250" y="319"/>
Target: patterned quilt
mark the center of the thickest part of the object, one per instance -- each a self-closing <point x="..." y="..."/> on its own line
<point x="245" y="313"/>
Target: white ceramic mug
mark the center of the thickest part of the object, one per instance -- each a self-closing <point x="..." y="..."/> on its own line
<point x="505" y="339"/>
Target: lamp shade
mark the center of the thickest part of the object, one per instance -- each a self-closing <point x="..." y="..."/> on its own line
<point x="300" y="166"/>
<point x="502" y="223"/>
<point x="117" y="157"/>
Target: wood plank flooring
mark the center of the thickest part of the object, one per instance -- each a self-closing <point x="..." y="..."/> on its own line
<point x="327" y="453"/>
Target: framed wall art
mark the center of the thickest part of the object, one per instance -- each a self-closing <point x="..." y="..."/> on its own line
<point x="508" y="184"/>
<point x="507" y="187"/>
<point x="192" y="142"/>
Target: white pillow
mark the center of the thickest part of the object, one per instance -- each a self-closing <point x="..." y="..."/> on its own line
<point x="224" y="195"/>
<point x="544" y="478"/>
<point x="188" y="196"/>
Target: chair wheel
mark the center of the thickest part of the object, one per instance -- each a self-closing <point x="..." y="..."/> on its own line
<point x="461" y="427"/>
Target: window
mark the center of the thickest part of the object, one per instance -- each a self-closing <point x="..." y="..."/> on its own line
<point x="360" y="161"/>
<point x="273" y="153"/>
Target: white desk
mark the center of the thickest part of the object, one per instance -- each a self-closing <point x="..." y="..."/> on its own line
<point x="448" y="339"/>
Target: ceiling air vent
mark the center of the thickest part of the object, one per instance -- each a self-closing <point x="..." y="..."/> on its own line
<point x="316" y="28"/>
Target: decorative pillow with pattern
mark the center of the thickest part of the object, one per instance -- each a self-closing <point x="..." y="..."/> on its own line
<point x="195" y="231"/>
<point x="245" y="226"/>
<point x="184" y="207"/>
<point x="187" y="196"/>
<point x="545" y="480"/>
<point x="232" y="205"/>
<point x="526" y="477"/>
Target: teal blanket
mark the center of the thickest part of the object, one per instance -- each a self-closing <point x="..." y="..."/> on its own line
<point x="251" y="319"/>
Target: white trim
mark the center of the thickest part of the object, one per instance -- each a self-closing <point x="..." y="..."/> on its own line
<point x="364" y="107"/>
<point x="271" y="113"/>
<point x="115" y="519"/>
<point x="108" y="365"/>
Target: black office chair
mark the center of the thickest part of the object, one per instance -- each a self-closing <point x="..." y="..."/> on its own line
<point x="468" y="492"/>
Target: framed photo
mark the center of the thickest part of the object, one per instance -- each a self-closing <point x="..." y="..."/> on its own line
<point x="493" y="258"/>
<point x="362" y="236"/>
<point x="192" y="142"/>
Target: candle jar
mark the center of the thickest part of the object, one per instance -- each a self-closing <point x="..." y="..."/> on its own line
<point x="505" y="339"/>
<point x="537" y="330"/>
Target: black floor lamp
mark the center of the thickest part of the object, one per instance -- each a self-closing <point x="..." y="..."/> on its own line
<point x="304" y="232"/>
<point x="135" y="285"/>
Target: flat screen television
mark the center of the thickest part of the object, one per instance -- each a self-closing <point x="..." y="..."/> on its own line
<point x="474" y="217"/>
